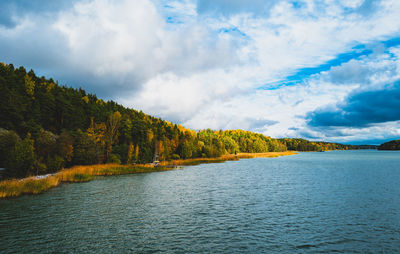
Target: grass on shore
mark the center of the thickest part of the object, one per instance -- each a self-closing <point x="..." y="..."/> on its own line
<point x="227" y="157"/>
<point x="32" y="185"/>
<point x="265" y="155"/>
<point x="87" y="173"/>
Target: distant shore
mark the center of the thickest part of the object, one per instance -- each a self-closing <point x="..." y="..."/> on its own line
<point x="39" y="184"/>
<point x="228" y="157"/>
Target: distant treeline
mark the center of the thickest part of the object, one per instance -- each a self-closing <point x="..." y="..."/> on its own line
<point x="391" y="145"/>
<point x="45" y="127"/>
<point x="299" y="144"/>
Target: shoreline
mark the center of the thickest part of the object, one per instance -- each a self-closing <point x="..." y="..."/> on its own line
<point x="38" y="184"/>
<point x="224" y="158"/>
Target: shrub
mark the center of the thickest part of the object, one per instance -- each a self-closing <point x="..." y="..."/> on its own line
<point x="114" y="158"/>
<point x="175" y="156"/>
<point x="8" y="139"/>
<point x="54" y="163"/>
<point x="22" y="158"/>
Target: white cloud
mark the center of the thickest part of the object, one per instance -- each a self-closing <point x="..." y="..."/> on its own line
<point x="131" y="41"/>
<point x="374" y="74"/>
<point x="373" y="135"/>
<point x="278" y="46"/>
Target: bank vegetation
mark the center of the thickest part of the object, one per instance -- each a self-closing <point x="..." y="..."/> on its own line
<point x="39" y="184"/>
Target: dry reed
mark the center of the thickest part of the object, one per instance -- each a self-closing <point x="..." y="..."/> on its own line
<point x="31" y="185"/>
<point x="226" y="157"/>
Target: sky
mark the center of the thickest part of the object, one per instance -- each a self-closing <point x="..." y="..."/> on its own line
<point x="321" y="70"/>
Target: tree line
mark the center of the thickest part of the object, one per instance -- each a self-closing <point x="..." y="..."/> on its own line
<point x="390" y="145"/>
<point x="45" y="127"/>
<point x="299" y="144"/>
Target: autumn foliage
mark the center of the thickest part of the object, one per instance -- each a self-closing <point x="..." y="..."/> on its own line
<point x="45" y="127"/>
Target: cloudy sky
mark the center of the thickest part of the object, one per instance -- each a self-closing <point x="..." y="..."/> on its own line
<point x="322" y="70"/>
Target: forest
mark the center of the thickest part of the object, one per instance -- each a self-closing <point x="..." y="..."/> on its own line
<point x="45" y="127"/>
<point x="391" y="145"/>
<point x="302" y="145"/>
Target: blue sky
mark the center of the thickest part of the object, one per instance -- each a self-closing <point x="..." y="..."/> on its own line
<point x="321" y="70"/>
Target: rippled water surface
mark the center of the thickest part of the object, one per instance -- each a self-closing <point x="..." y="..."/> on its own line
<point x="342" y="201"/>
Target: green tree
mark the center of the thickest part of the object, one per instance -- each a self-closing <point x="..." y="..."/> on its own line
<point x="230" y="145"/>
<point x="86" y="151"/>
<point x="22" y="159"/>
<point x="46" y="144"/>
<point x="65" y="147"/>
<point x="8" y="139"/>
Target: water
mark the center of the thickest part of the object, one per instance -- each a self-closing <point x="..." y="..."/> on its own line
<point x="342" y="201"/>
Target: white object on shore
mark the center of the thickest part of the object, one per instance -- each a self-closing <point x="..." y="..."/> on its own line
<point x="43" y="176"/>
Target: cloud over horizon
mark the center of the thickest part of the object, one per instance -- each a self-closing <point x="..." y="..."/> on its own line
<point x="313" y="69"/>
<point x="361" y="109"/>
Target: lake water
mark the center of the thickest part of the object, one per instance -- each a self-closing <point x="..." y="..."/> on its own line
<point x="340" y="201"/>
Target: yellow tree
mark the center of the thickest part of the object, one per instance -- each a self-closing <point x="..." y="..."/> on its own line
<point x="160" y="150"/>
<point x="96" y="131"/>
<point x="111" y="133"/>
<point x="29" y="85"/>
<point x="130" y="153"/>
<point x="136" y="153"/>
